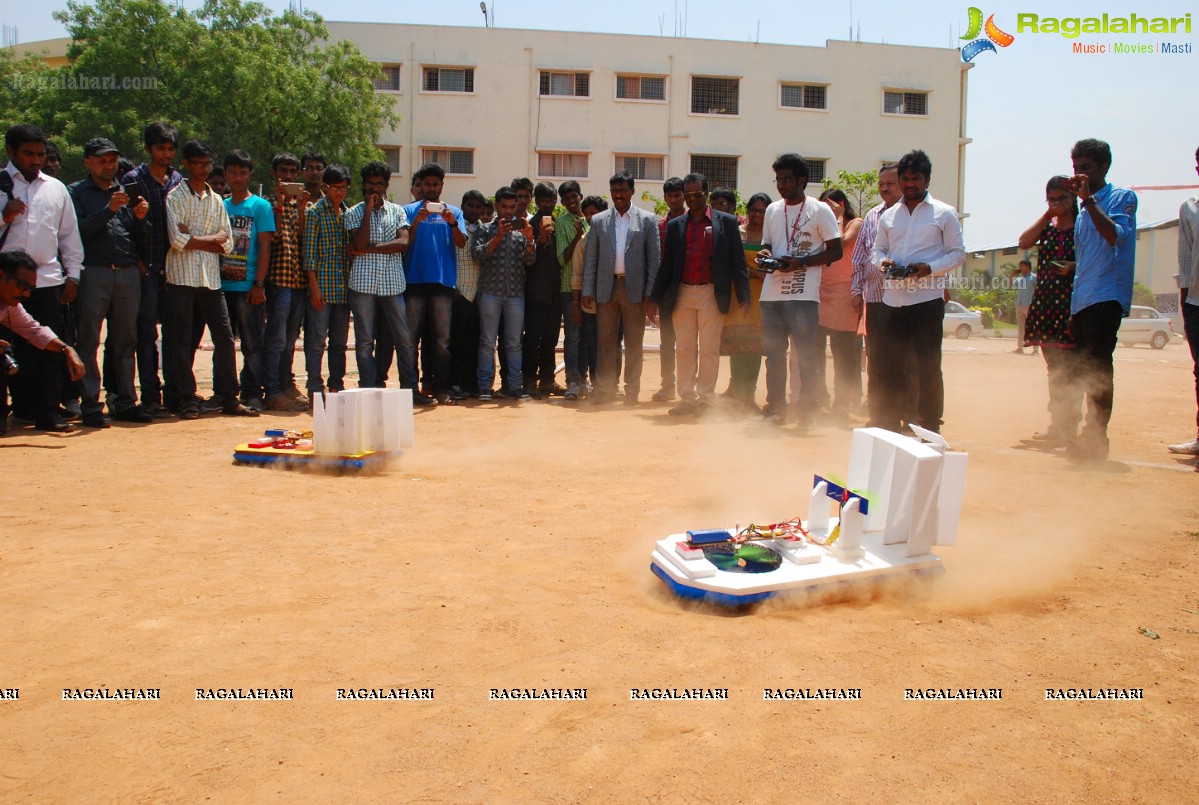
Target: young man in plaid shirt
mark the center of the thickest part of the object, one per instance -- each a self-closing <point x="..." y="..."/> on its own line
<point x="327" y="264"/>
<point x="286" y="284"/>
<point x="378" y="234"/>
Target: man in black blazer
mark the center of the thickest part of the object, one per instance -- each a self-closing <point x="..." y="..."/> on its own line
<point x="702" y="263"/>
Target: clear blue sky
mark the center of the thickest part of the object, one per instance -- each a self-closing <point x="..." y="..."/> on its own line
<point x="1027" y="103"/>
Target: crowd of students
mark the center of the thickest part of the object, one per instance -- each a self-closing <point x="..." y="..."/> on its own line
<point x="438" y="289"/>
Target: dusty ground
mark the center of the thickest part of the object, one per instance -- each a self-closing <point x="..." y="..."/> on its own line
<point x="511" y="549"/>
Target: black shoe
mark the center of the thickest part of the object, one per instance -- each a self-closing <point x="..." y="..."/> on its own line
<point x="96" y="420"/>
<point x="422" y="399"/>
<point x="687" y="407"/>
<point x="54" y="425"/>
<point x="134" y="414"/>
<point x="211" y="405"/>
<point x="457" y="393"/>
<point x="156" y="410"/>
<point x="513" y="394"/>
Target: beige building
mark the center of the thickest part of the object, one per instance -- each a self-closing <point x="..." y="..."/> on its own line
<point x="490" y="104"/>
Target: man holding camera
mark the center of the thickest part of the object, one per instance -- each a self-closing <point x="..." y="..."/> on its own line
<point x="505" y="248"/>
<point x="115" y="235"/>
<point x="39" y="218"/>
<point x="919" y="242"/>
<point x="431" y="265"/>
<point x="378" y="234"/>
<point x="18" y="277"/>
<point x="801" y="235"/>
<point x="286" y="285"/>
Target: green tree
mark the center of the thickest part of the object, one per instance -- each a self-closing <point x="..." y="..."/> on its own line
<point x="860" y="188"/>
<point x="1143" y="295"/>
<point x="230" y="73"/>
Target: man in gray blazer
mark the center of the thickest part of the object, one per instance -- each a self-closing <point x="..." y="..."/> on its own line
<point x="619" y="268"/>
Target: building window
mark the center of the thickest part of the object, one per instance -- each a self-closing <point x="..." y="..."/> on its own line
<point x="569" y="85"/>
<point x="455" y="161"/>
<point x="449" y="79"/>
<point x="640" y="88"/>
<point x="391" y="157"/>
<point x="720" y="171"/>
<point x="905" y="103"/>
<point x="390" y="80"/>
<point x="817" y="170"/>
<point x="562" y="166"/>
<point x="715" y="96"/>
<point x="649" y="168"/>
<point x="804" y="96"/>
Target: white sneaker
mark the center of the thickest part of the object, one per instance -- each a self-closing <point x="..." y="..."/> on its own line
<point x="1190" y="448"/>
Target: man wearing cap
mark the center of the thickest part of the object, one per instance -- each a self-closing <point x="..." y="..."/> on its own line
<point x="115" y="235"/>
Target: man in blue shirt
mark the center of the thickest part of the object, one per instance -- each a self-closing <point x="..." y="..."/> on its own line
<point x="1025" y="285"/>
<point x="1105" y="250"/>
<point x="431" y="263"/>
<point x="244" y="271"/>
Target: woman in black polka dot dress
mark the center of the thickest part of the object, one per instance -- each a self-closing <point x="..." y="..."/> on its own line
<point x="1048" y="324"/>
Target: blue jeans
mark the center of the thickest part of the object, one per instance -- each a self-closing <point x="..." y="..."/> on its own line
<point x="284" y="306"/>
<point x="112" y="295"/>
<point x="367" y="309"/>
<point x="570" y="340"/>
<point x="791" y="320"/>
<point x="513" y="310"/>
<point x="331" y="323"/>
<point x="249" y="324"/>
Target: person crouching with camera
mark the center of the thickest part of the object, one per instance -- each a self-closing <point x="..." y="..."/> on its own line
<point x="18" y="277"/>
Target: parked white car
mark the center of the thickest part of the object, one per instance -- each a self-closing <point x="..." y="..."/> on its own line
<point x="1145" y="325"/>
<point x="960" y="321"/>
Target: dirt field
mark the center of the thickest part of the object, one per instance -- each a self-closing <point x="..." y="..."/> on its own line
<point x="510" y="549"/>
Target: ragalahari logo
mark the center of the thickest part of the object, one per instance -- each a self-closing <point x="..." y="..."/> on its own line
<point x="994" y="35"/>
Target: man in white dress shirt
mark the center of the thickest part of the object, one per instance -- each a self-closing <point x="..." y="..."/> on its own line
<point x="923" y="236"/>
<point x="39" y="218"/>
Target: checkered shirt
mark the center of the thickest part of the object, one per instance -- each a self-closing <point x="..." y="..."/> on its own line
<point x="326" y="251"/>
<point x="378" y="274"/>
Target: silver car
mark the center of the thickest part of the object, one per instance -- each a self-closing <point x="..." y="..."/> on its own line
<point x="960" y="321"/>
<point x="1144" y="325"/>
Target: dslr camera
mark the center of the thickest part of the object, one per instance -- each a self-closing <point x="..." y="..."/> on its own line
<point x="770" y="264"/>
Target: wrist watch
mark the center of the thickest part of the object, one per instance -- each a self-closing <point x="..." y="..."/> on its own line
<point x="259" y="283"/>
<point x="1087" y="202"/>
